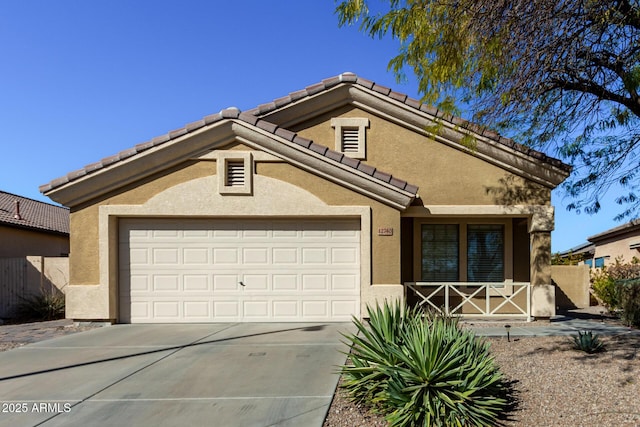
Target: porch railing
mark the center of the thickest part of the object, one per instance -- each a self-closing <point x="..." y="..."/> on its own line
<point x="475" y="299"/>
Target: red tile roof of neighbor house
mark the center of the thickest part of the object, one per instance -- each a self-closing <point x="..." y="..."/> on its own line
<point x="252" y="117"/>
<point x="18" y="211"/>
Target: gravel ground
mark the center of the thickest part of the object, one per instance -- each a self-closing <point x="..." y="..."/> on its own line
<point x="554" y="385"/>
<point x="17" y="335"/>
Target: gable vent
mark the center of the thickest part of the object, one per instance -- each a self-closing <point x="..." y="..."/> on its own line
<point x="235" y="173"/>
<point x="350" y="140"/>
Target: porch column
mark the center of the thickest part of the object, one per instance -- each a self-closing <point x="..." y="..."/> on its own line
<point x="543" y="295"/>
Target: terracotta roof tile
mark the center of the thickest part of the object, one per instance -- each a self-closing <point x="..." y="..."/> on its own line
<point x="33" y="214"/>
<point x="268" y="126"/>
<point x="320" y="149"/>
<point x="334" y="155"/>
<point x="364" y="83"/>
<point x="144" y="146"/>
<point x="285" y="133"/>
<point x="195" y="125"/>
<point x="382" y="176"/>
<point x="368" y="169"/>
<point x="249" y="118"/>
<point x="351" y="162"/>
<point x="302" y="141"/>
<point x="316" y="88"/>
<point x="398" y="96"/>
<point x="381" y="89"/>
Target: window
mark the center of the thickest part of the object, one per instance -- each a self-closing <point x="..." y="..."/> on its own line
<point x="465" y="252"/>
<point x="600" y="261"/>
<point x="485" y="253"/>
<point x="440" y="261"/>
<point x="350" y="137"/>
<point x="235" y="171"/>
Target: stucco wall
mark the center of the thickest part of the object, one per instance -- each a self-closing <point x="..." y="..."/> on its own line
<point x="445" y="175"/>
<point x="572" y="286"/>
<point x="618" y="248"/>
<point x="18" y="242"/>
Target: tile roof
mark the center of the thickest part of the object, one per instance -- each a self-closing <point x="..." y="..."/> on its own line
<point x="235" y="114"/>
<point x="33" y="214"/>
<point x="633" y="225"/>
<point x="411" y="102"/>
<point x="253" y="117"/>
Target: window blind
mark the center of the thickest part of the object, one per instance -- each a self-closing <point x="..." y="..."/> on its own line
<point x="440" y="254"/>
<point x="485" y="253"/>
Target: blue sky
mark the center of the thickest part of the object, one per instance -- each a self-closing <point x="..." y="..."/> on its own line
<point x="82" y="80"/>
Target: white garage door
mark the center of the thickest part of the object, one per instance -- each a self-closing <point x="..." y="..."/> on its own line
<point x="239" y="270"/>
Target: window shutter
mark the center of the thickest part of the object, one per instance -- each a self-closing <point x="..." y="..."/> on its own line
<point x="235" y="173"/>
<point x="485" y="253"/>
<point x="440" y="254"/>
<point x="350" y="140"/>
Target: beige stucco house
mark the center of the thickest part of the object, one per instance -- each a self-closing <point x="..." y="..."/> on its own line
<point x="31" y="227"/>
<point x="621" y="243"/>
<point x="308" y="208"/>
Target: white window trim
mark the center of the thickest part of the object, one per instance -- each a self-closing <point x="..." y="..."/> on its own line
<point x="351" y="122"/>
<point x="222" y="160"/>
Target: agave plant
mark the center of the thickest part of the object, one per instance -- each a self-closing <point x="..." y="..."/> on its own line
<point x="370" y="349"/>
<point x="588" y="342"/>
<point x="444" y="377"/>
<point x="423" y="370"/>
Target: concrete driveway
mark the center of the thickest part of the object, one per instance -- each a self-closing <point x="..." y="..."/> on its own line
<point x="251" y="374"/>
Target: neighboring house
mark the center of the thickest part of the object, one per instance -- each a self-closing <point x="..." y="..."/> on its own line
<point x="30" y="227"/>
<point x="620" y="243"/>
<point x="34" y="244"/>
<point x="308" y="208"/>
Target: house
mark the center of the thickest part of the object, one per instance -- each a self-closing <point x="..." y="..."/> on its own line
<point x="30" y="227"/>
<point x="602" y="249"/>
<point x="34" y="245"/>
<point x="308" y="208"/>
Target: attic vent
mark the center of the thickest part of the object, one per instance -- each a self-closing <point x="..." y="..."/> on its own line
<point x="350" y="136"/>
<point x="350" y="140"/>
<point x="235" y="173"/>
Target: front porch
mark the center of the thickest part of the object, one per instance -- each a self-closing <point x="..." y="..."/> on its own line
<point x="470" y="299"/>
<point x="479" y="262"/>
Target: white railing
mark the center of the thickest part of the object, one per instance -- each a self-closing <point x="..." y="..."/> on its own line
<point x="480" y="299"/>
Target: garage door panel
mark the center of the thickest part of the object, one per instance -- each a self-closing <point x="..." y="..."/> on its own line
<point x="192" y="270"/>
<point x="196" y="283"/>
<point x="226" y="256"/>
<point x="285" y="282"/>
<point x="226" y="283"/>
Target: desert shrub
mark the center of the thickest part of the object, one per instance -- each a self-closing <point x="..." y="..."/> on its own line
<point x="45" y="305"/>
<point x="423" y="370"/>
<point x="629" y="291"/>
<point x="604" y="287"/>
<point x="621" y="271"/>
<point x="588" y="342"/>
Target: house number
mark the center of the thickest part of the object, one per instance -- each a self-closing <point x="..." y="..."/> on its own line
<point x="385" y="231"/>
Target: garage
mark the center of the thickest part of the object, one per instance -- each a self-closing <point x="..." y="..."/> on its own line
<point x="238" y="270"/>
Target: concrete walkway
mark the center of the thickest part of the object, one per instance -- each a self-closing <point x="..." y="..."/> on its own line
<point x="562" y="325"/>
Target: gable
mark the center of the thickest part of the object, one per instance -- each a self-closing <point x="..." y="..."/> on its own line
<point x="445" y="173"/>
<point x="150" y="161"/>
<point x="305" y="108"/>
